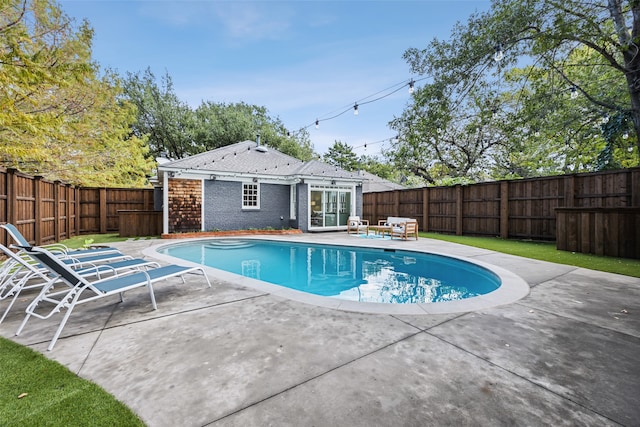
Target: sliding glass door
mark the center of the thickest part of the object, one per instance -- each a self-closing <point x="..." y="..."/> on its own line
<point x="329" y="207"/>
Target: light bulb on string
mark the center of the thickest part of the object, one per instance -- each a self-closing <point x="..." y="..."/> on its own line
<point x="411" y="84"/>
<point x="574" y="92"/>
<point x="625" y="135"/>
<point x="605" y="119"/>
<point x="499" y="54"/>
<point x="317" y="123"/>
<point x="355" y="109"/>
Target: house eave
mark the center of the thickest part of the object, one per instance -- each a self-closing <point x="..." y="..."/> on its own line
<point x="248" y="177"/>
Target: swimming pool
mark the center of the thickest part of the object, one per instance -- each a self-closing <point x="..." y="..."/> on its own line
<point x="351" y="273"/>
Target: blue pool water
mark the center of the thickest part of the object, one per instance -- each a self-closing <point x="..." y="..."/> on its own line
<point x="345" y="272"/>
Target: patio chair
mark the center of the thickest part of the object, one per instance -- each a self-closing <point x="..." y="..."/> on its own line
<point x="80" y="290"/>
<point x="18" y="274"/>
<point x="57" y="248"/>
<point x="406" y="229"/>
<point x="78" y="257"/>
<point x="357" y="225"/>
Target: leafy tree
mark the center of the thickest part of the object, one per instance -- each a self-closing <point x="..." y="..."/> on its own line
<point x="341" y="154"/>
<point x="58" y="117"/>
<point x="586" y="48"/>
<point x="176" y="131"/>
<point x="218" y="125"/>
<point x="378" y="167"/>
<point x="40" y="53"/>
<point x="167" y="122"/>
<point x="110" y="155"/>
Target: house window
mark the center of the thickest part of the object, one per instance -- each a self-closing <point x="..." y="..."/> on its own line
<point x="250" y="196"/>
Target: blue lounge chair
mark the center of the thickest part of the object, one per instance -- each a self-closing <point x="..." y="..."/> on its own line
<point x="18" y="273"/>
<point x="80" y="290"/>
<point x="57" y="248"/>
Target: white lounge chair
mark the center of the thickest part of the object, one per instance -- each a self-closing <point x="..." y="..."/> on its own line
<point x="80" y="290"/>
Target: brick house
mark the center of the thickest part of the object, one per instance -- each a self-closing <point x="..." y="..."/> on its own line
<point x="247" y="185"/>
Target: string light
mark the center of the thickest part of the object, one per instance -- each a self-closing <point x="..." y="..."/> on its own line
<point x="499" y="54"/>
<point x="574" y="92"/>
<point x="367" y="100"/>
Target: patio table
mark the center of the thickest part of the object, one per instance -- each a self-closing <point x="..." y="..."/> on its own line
<point x="381" y="229"/>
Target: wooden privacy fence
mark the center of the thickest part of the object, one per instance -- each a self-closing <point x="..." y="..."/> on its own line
<point x="47" y="212"/>
<point x="600" y="231"/>
<point x="523" y="209"/>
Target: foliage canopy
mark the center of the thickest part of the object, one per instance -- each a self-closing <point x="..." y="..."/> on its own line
<point x="531" y="87"/>
<point x="58" y="116"/>
<point x="176" y="130"/>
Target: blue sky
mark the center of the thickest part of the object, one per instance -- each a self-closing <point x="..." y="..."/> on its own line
<point x="302" y="60"/>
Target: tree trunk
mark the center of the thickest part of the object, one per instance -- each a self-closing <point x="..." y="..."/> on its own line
<point x="630" y="52"/>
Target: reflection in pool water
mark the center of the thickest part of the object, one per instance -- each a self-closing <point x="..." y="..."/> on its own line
<point x="344" y="272"/>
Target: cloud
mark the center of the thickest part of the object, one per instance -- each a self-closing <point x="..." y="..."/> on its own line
<point x="245" y="21"/>
<point x="237" y="21"/>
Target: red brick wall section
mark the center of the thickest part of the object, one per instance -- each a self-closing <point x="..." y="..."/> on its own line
<point x="185" y="205"/>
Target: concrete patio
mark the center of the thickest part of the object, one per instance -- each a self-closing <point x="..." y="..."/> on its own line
<point x="236" y="355"/>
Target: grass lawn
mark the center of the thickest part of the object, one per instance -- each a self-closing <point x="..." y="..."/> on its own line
<point x="546" y="251"/>
<point x="37" y="391"/>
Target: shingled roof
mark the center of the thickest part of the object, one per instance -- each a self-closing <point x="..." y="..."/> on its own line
<point x="249" y="158"/>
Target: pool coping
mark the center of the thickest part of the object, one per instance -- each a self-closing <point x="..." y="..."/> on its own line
<point x="512" y="289"/>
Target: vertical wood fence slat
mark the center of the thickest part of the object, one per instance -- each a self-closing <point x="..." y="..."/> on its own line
<point x="425" y="209"/>
<point x="102" y="206"/>
<point x="504" y="210"/>
<point x="459" y="210"/>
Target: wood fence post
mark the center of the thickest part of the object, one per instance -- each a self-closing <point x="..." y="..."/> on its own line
<point x="67" y="226"/>
<point x="425" y="209"/>
<point x="56" y="210"/>
<point x="77" y="195"/>
<point x="504" y="209"/>
<point x="635" y="187"/>
<point x="103" y="210"/>
<point x="458" y="210"/>
<point x="37" y="209"/>
<point x="12" y="198"/>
